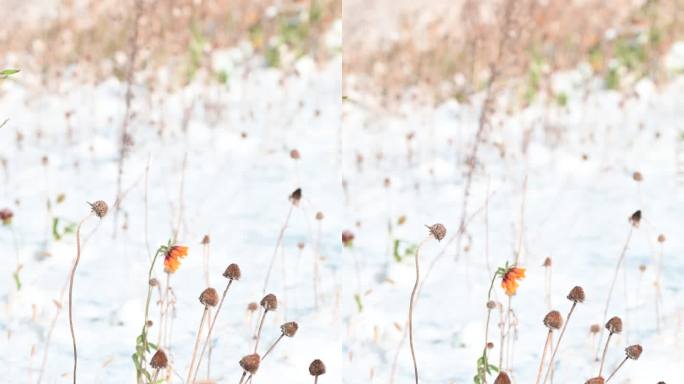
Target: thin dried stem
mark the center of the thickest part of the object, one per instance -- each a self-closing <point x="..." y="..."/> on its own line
<point x="547" y="344"/>
<point x="211" y="327"/>
<point x="616" y="369"/>
<point x="560" y="337"/>
<point x="258" y="334"/>
<point x="275" y="251"/>
<point x="197" y="340"/>
<point x="71" y="289"/>
<point x="410" y="314"/>
<point x="603" y="357"/>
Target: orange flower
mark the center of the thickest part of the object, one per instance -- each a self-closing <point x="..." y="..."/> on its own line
<point x="510" y="279"/>
<point x="173" y="256"/>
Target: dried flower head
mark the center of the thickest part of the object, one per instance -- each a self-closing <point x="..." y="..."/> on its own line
<point x="595" y="328"/>
<point x="289" y="329"/>
<point x="317" y="368"/>
<point x="642" y="268"/>
<point x="635" y="219"/>
<point x="206" y="240"/>
<point x="502" y="378"/>
<point x="595" y="380"/>
<point x="296" y="196"/>
<point x="490" y="345"/>
<point x="614" y="325"/>
<point x="438" y="231"/>
<point x="270" y="302"/>
<point x="547" y="262"/>
<point x="250" y="363"/>
<point x="661" y="238"/>
<point x="294" y="154"/>
<point x="553" y="320"/>
<point x="347" y="238"/>
<point x="510" y="279"/>
<point x="6" y="215"/>
<point x="232" y="272"/>
<point x="209" y="297"/>
<point x="634" y="351"/>
<point x="300" y="245"/>
<point x="252" y="306"/>
<point x="319" y="216"/>
<point x="576" y="294"/>
<point x="159" y="360"/>
<point x="172" y="257"/>
<point x="637" y="176"/>
<point x="491" y="304"/>
<point x="99" y="207"/>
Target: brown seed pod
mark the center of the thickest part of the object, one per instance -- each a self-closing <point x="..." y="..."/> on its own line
<point x="317" y="368"/>
<point x="595" y="380"/>
<point x="159" y="360"/>
<point x="252" y="306"/>
<point x="661" y="238"/>
<point x="502" y="378"/>
<point x="491" y="304"/>
<point x="347" y="238"/>
<point x="270" y="302"/>
<point x="576" y="294"/>
<point x="206" y="240"/>
<point x="294" y="154"/>
<point x="547" y="262"/>
<point x="634" y="351"/>
<point x="296" y="196"/>
<point x="553" y="320"/>
<point x="232" y="272"/>
<point x="614" y="325"/>
<point x="635" y="219"/>
<point x="319" y="216"/>
<point x="595" y="328"/>
<point x="250" y="363"/>
<point x="637" y="176"/>
<point x="490" y="345"/>
<point x="209" y="297"/>
<point x="99" y="207"/>
<point x="438" y="231"/>
<point x="289" y="329"/>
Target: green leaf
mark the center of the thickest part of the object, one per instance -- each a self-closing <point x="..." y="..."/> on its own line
<point x="8" y="72"/>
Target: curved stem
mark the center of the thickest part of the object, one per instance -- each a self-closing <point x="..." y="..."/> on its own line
<point x="560" y="337"/>
<point x="258" y="334"/>
<point x="211" y="327"/>
<point x="275" y="251"/>
<point x="410" y="314"/>
<point x="71" y="289"/>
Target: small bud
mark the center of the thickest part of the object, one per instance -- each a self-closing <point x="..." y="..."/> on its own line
<point x="637" y="176"/>
<point x="252" y="306"/>
<point x="99" y="207"/>
<point x="269" y="302"/>
<point x="317" y="368"/>
<point x="595" y="380"/>
<point x="232" y="272"/>
<point x="296" y="196"/>
<point x="635" y="219"/>
<point x="547" y="262"/>
<point x="634" y="351"/>
<point x="289" y="329"/>
<point x="614" y="325"/>
<point x="159" y="360"/>
<point x="576" y="294"/>
<point x="300" y="245"/>
<point x="205" y="240"/>
<point x="209" y="297"/>
<point x="438" y="231"/>
<point x="154" y="282"/>
<point x="642" y="268"/>
<point x="319" y="216"/>
<point x="491" y="304"/>
<point x="661" y="238"/>
<point x="595" y="328"/>
<point x="553" y="320"/>
<point x="6" y="216"/>
<point x="250" y="363"/>
<point x="490" y="345"/>
<point x="347" y="238"/>
<point x="294" y="154"/>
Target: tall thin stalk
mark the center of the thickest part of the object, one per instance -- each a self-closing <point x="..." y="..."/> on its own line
<point x="410" y="314"/>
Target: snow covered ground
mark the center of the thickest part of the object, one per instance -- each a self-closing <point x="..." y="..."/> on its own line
<point x="238" y="177"/>
<point x="576" y="161"/>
